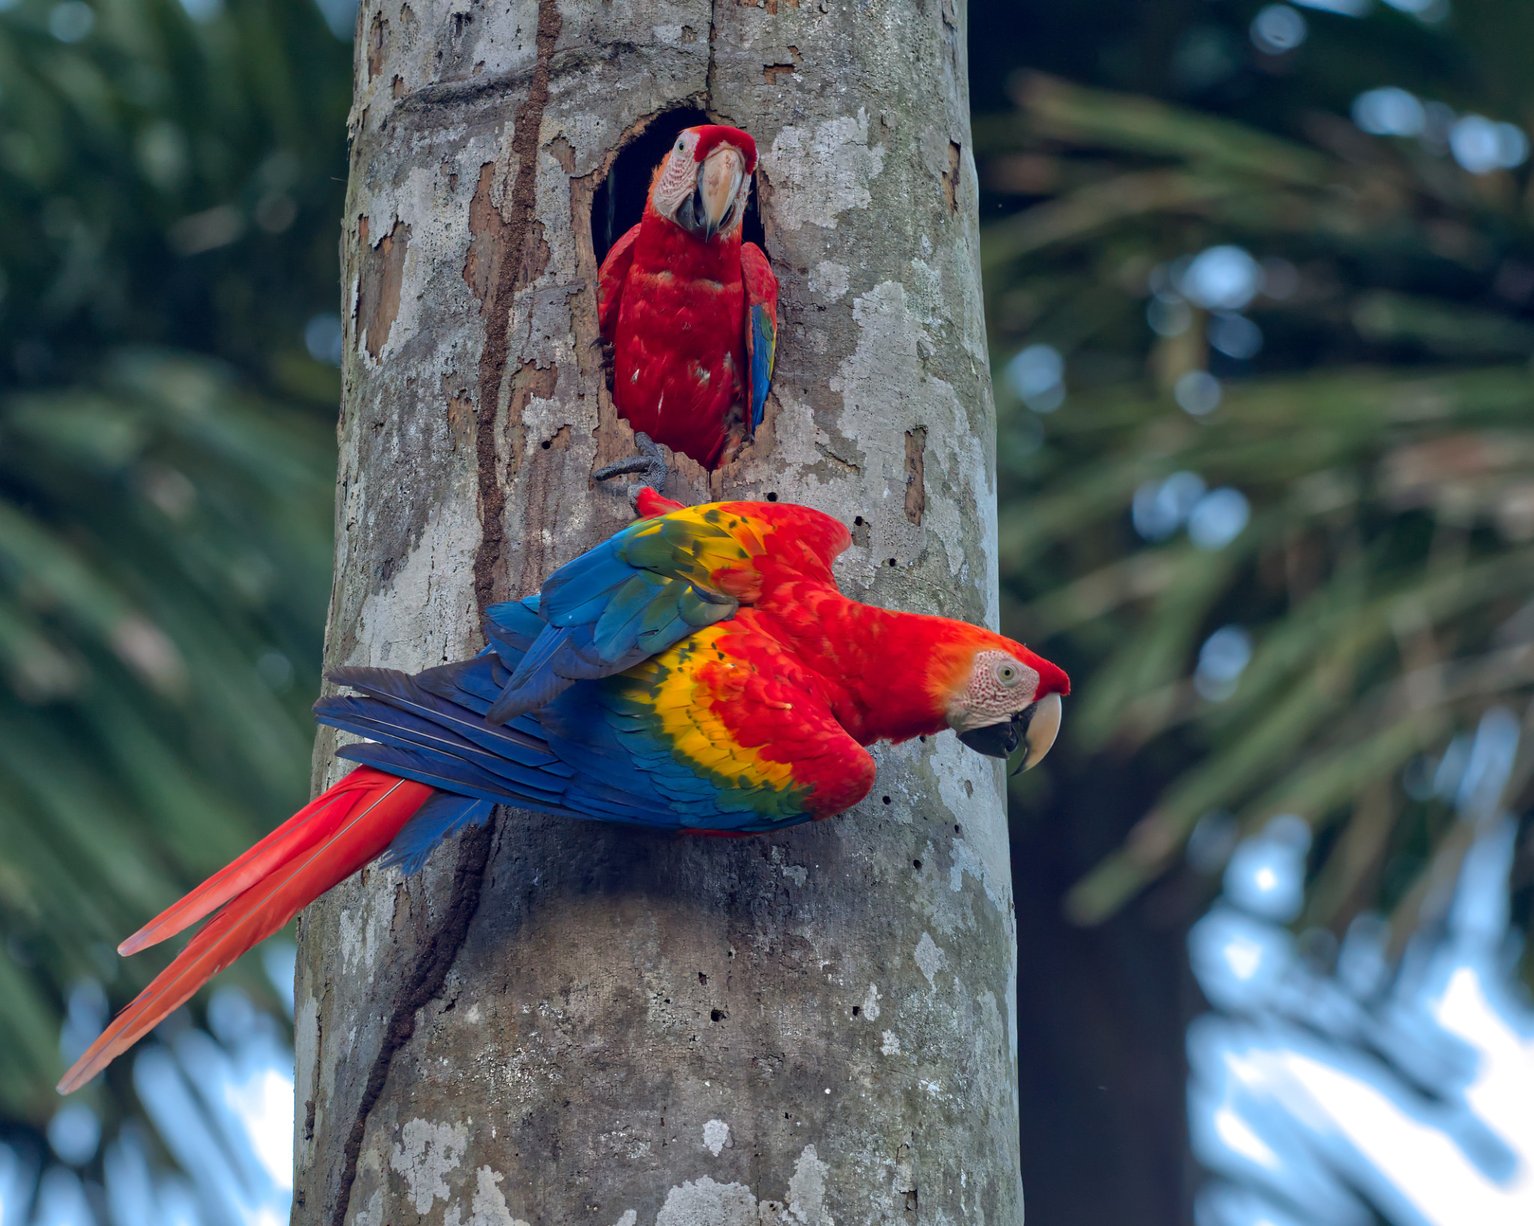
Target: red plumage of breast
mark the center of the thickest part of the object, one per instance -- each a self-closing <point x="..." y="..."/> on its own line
<point x="679" y="345"/>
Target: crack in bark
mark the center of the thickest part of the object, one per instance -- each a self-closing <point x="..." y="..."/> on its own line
<point x="516" y="236"/>
<point x="491" y="89"/>
<point x="431" y="971"/>
<point x="378" y="36"/>
<point x="851" y="466"/>
<point x="488" y="87"/>
<point x="311" y="1104"/>
<point x="713" y="40"/>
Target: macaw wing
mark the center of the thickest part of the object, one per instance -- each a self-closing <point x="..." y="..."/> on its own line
<point x="708" y="737"/>
<point x="635" y="595"/>
<point x="610" y="279"/>
<point x="761" y="330"/>
<point x="720" y="734"/>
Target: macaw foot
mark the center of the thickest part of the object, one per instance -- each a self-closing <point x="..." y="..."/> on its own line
<point x="652" y="463"/>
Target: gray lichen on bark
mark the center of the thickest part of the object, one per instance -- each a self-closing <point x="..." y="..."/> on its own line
<point x="562" y="1022"/>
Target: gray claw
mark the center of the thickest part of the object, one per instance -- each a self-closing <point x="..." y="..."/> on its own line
<point x="652" y="461"/>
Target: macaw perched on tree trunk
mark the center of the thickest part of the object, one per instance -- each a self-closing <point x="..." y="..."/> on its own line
<point x="697" y="672"/>
<point x="690" y="310"/>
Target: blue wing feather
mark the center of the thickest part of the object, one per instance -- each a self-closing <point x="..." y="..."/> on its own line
<point x="474" y="684"/>
<point x="763" y="346"/>
<point x="516" y="623"/>
<point x="636" y="594"/>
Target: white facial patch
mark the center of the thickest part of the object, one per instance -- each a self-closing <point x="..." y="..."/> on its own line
<point x="999" y="687"/>
<point x="679" y="176"/>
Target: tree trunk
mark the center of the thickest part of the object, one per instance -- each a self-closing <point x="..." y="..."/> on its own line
<point x="564" y="1022"/>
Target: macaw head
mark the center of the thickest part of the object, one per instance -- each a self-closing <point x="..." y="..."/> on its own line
<point x="704" y="181"/>
<point x="998" y="695"/>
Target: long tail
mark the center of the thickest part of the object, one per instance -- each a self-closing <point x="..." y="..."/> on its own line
<point x="322" y="844"/>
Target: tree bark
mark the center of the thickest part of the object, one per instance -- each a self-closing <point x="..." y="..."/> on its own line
<point x="563" y="1022"/>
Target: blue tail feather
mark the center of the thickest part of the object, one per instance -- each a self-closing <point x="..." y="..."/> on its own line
<point x="441" y="817"/>
<point x="474" y="684"/>
<point x="432" y="713"/>
<point x="436" y="770"/>
<point x="380" y="722"/>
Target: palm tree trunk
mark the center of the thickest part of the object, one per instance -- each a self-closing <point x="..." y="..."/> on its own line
<point x="562" y="1022"/>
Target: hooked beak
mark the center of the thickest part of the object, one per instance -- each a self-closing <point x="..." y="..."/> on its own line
<point x="712" y="206"/>
<point x="1036" y="726"/>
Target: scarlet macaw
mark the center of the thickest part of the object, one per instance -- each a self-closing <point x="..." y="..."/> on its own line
<point x="699" y="671"/>
<point x="690" y="310"/>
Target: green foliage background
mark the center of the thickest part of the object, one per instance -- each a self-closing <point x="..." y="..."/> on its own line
<point x="169" y="194"/>
<point x="1382" y="438"/>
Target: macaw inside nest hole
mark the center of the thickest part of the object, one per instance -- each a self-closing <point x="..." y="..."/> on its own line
<point x="620" y="199"/>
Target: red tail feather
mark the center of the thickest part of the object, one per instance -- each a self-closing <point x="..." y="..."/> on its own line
<point x="322" y="844"/>
<point x="315" y="821"/>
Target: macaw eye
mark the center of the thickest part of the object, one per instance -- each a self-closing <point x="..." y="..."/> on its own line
<point x="681" y="144"/>
<point x="1007" y="673"/>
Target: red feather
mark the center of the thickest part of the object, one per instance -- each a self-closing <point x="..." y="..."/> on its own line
<point x="610" y="278"/>
<point x="323" y="843"/>
<point x="649" y="503"/>
<point x="712" y="135"/>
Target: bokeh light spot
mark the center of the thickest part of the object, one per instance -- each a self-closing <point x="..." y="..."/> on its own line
<point x="71" y="21"/>
<point x="74" y="1132"/>
<point x="1221" y="278"/>
<point x="1278" y="28"/>
<point x="1037" y="374"/>
<point x="1218" y="518"/>
<point x="1483" y="145"/>
<point x="1221" y="661"/>
<point x="322" y="338"/>
<point x="1197" y="392"/>
<point x="1235" y="336"/>
<point x="1389" y="111"/>
<point x="1160" y="507"/>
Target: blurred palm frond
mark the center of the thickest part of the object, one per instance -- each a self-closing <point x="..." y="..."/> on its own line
<point x="1284" y="518"/>
<point x="170" y="179"/>
<point x="160" y="570"/>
